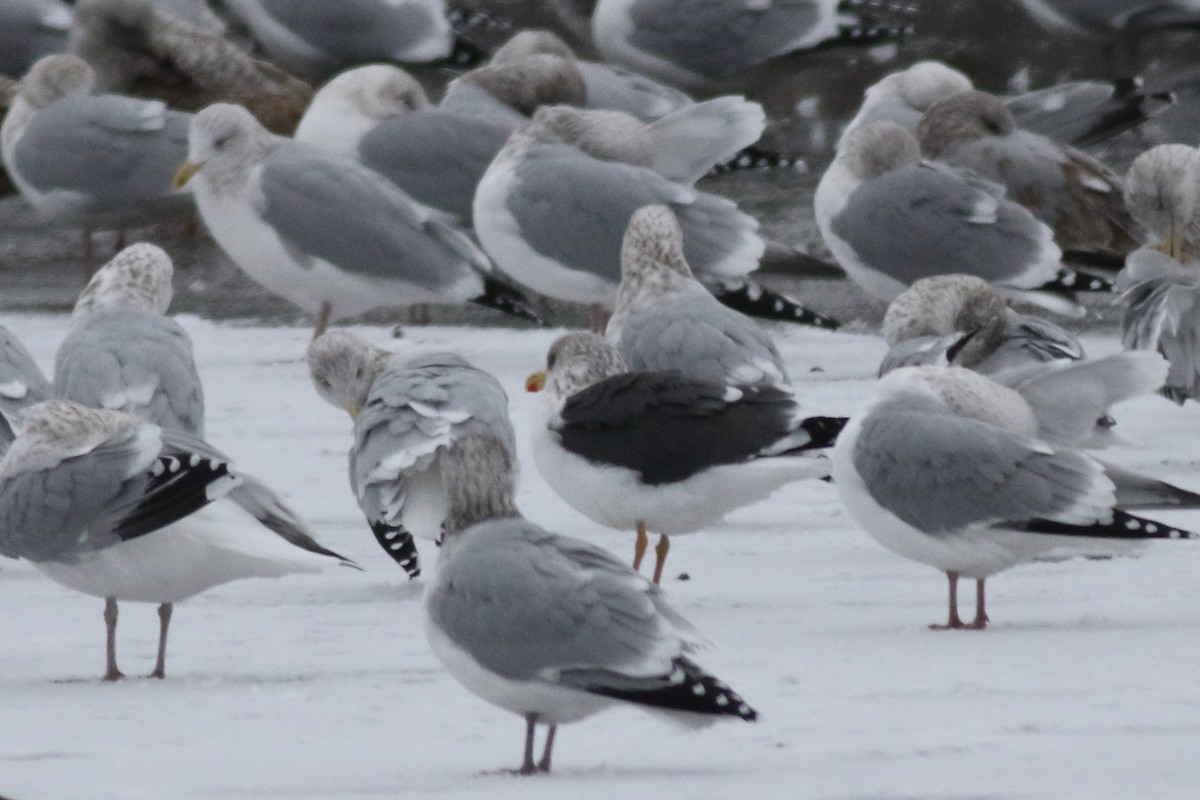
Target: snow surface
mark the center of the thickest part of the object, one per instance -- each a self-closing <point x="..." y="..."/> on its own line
<point x="324" y="687"/>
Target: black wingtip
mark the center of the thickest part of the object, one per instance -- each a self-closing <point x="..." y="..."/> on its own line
<point x="501" y="296"/>
<point x="874" y="22"/>
<point x="1123" y="525"/>
<point x="686" y="688"/>
<point x="754" y="157"/>
<point x="823" y="430"/>
<point x="465" y="55"/>
<point x="398" y="543"/>
<point x="1070" y="280"/>
<point x="178" y="486"/>
<point x="477" y="19"/>
<point x="755" y="300"/>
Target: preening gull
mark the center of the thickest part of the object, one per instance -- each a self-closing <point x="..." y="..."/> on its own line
<point x="22" y="384"/>
<point x="552" y="628"/>
<point x="88" y="160"/>
<point x="890" y="219"/>
<point x="961" y="319"/>
<point x="122" y="354"/>
<point x="155" y="516"/>
<point x="698" y="42"/>
<point x="513" y="91"/>
<point x="407" y="412"/>
<point x="1078" y="113"/>
<point x="951" y="469"/>
<point x="316" y="37"/>
<point x="666" y="320"/>
<point x="1072" y="192"/>
<point x="379" y="116"/>
<point x="1161" y="285"/>
<point x="324" y="232"/>
<point x="137" y="47"/>
<point x="29" y="30"/>
<point x="553" y="214"/>
<point x="660" y="452"/>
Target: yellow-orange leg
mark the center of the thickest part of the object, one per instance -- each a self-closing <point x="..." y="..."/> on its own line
<point x="639" y="547"/>
<point x="660" y="550"/>
<point x="323" y="319"/>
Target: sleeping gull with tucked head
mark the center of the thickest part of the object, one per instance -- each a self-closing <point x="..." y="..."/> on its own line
<point x="22" y="384"/>
<point x="407" y="412"/>
<point x="324" y="232"/>
<point x="552" y="628"/>
<point x="155" y="516"/>
<point x="891" y="219"/>
<point x="949" y="468"/>
<point x="1161" y="284"/>
<point x="93" y="161"/>
<point x="661" y="452"/>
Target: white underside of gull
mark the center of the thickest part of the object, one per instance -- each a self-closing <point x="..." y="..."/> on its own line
<point x="219" y="543"/>
<point x="831" y="196"/>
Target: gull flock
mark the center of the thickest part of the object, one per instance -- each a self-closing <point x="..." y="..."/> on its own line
<point x="542" y="180"/>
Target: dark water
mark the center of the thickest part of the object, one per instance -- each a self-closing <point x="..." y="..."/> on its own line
<point x="42" y="268"/>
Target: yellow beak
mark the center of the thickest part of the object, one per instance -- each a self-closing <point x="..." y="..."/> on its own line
<point x="185" y="172"/>
<point x="535" y="382"/>
<point x="354" y="410"/>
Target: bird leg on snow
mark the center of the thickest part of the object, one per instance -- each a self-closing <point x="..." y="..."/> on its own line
<point x="955" y="623"/>
<point x="164" y="622"/>
<point x="527" y="766"/>
<point x="544" y="764"/>
<point x="110" y="624"/>
<point x="660" y="550"/>
<point x="639" y="547"/>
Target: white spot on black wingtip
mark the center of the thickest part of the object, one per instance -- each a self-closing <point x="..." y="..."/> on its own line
<point x="722" y="700"/>
<point x="194" y="461"/>
<point x="157" y="468"/>
<point x="1132" y="524"/>
<point x="173" y="465"/>
<point x="698" y="690"/>
<point x="1151" y="528"/>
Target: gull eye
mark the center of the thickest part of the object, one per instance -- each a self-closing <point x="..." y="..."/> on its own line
<point x="550" y="359"/>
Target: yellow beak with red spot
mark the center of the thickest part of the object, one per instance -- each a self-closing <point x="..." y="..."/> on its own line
<point x="535" y="382"/>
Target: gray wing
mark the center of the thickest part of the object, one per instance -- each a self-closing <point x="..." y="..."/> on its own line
<point x="692" y="333"/>
<point x="529" y="605"/>
<point x="925" y="220"/>
<point x="1162" y="314"/>
<point x="30" y="29"/>
<point x="719" y="38"/>
<point x="436" y="156"/>
<point x="353" y="31"/>
<point x="941" y="473"/>
<point x="367" y="225"/>
<point x="21" y="384"/>
<point x="1029" y="340"/>
<point x="615" y="89"/>
<point x="118" y="151"/>
<point x="411" y="416"/>
<point x="133" y="361"/>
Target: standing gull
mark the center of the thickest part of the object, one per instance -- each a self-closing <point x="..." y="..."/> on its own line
<point x="93" y="161"/>
<point x="155" y="516"/>
<point x="324" y="232"/>
<point x="379" y="116"/>
<point x="407" y="412"/>
<point x="948" y="468"/>
<point x="552" y="628"/>
<point x="666" y="320"/>
<point x="961" y="319"/>
<point x="699" y="43"/>
<point x="1161" y="285"/>
<point x="22" y="384"/>
<point x="660" y="452"/>
<point x="890" y="219"/>
<point x="1072" y="192"/>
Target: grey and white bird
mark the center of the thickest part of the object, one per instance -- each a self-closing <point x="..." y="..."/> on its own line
<point x="123" y="354"/>
<point x="407" y="411"/>
<point x="380" y="116"/>
<point x="512" y="91"/>
<point x="960" y="319"/>
<point x="951" y="469"/>
<point x="700" y="43"/>
<point x="666" y="320"/>
<point x="141" y="47"/>
<point x="22" y="384"/>
<point x="1112" y="19"/>
<point x="1073" y="193"/>
<point x="155" y="516"/>
<point x="552" y="628"/>
<point x="29" y="30"/>
<point x="890" y="219"/>
<point x="315" y="37"/>
<point x="93" y="161"/>
<point x="1078" y="113"/>
<point x="324" y="232"/>
<point x="660" y="452"/>
<point x="1160" y="285"/>
<point x="553" y="207"/>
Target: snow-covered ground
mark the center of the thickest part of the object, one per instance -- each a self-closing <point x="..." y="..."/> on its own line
<point x="323" y="686"/>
